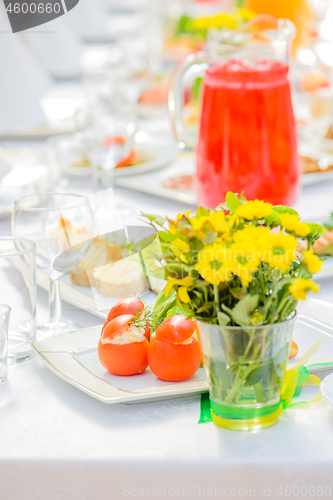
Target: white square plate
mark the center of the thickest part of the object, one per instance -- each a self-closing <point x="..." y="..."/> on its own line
<point x="73" y="357"/>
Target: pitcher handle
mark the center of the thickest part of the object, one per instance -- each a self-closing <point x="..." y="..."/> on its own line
<point x="176" y="96"/>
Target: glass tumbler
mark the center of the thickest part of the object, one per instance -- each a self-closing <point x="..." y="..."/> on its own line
<point x="244" y="367"/>
<point x="4" y="320"/>
<point x="18" y="289"/>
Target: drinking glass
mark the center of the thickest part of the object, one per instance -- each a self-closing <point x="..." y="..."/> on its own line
<point x="18" y="289"/>
<point x="72" y="160"/>
<point x="113" y="129"/>
<point x="61" y="225"/>
<point x="4" y="321"/>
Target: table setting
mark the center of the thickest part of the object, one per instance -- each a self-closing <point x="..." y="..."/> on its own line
<point x="166" y="252"/>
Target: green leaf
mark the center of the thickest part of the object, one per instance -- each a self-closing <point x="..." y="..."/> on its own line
<point x="273" y="220"/>
<point x="282" y="209"/>
<point x="196" y="87"/>
<point x="173" y="311"/>
<point x="316" y="229"/>
<point x="222" y="206"/>
<point x="167" y="237"/>
<point x="232" y="201"/>
<point x="183" y="26"/>
<point x="242" y="197"/>
<point x="163" y="304"/>
<point x="223" y="319"/>
<point x="155" y="218"/>
<point x="211" y="236"/>
<point x="237" y="292"/>
<point x="202" y="212"/>
<point x="241" y="312"/>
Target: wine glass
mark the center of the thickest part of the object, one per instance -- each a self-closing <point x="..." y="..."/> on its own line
<point x="72" y="160"/>
<point x="113" y="131"/>
<point x="61" y="225"/>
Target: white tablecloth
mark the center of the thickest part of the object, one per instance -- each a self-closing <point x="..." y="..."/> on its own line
<point x="57" y="443"/>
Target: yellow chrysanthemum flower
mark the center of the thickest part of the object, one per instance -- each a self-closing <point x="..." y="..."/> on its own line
<point x="312" y="262"/>
<point x="250" y="233"/>
<point x="179" y="248"/>
<point x="212" y="264"/>
<point x="300" y="288"/>
<point x="233" y="220"/>
<point x="216" y="218"/>
<point x="291" y="223"/>
<point x="173" y="224"/>
<point x="246" y="14"/>
<point x="254" y="210"/>
<point x="217" y="21"/>
<point x="243" y="259"/>
<point x="278" y="250"/>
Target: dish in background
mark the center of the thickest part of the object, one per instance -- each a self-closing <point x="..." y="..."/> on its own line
<point x="317" y="165"/>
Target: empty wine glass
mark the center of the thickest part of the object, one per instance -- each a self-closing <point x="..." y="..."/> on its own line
<point x="113" y="129"/>
<point x="61" y="225"/>
<point x="72" y="160"/>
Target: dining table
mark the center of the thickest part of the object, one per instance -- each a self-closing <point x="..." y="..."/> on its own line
<point x="58" y="443"/>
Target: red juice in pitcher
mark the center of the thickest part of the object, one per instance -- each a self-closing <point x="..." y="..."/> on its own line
<point x="247" y="136"/>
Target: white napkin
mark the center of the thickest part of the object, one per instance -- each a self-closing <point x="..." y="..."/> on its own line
<point x="58" y="50"/>
<point x="22" y="82"/>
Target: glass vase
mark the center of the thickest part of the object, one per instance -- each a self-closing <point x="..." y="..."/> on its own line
<point x="244" y="367"/>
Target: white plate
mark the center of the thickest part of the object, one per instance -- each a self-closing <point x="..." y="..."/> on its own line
<point x="73" y="357"/>
<point x="157" y="153"/>
<point x="152" y="183"/>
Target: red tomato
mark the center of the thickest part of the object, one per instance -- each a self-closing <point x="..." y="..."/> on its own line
<point x="124" y="359"/>
<point x="116" y="140"/>
<point x="129" y="160"/>
<point x="131" y="305"/>
<point x="293" y="350"/>
<point x="147" y="332"/>
<point x="114" y="326"/>
<point x="173" y="362"/>
<point x="175" y="329"/>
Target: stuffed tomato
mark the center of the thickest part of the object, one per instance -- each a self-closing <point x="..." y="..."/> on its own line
<point x="123" y="347"/>
<point x="130" y="305"/>
<point x="174" y="353"/>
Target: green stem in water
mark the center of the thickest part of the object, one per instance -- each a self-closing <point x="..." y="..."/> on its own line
<point x="217" y="298"/>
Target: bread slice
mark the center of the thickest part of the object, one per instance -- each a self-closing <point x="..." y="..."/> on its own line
<point x="100" y="253"/>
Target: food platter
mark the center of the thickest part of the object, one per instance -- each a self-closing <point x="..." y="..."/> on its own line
<point x="73" y="358"/>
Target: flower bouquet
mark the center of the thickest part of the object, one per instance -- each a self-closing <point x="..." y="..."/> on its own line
<point x="239" y="270"/>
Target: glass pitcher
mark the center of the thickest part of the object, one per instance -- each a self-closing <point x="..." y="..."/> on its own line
<point x="247" y="135"/>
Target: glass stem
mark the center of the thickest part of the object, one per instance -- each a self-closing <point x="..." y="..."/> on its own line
<point x="54" y="301"/>
<point x="109" y="178"/>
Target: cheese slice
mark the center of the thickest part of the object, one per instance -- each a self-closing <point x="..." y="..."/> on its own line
<point x="120" y="279"/>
